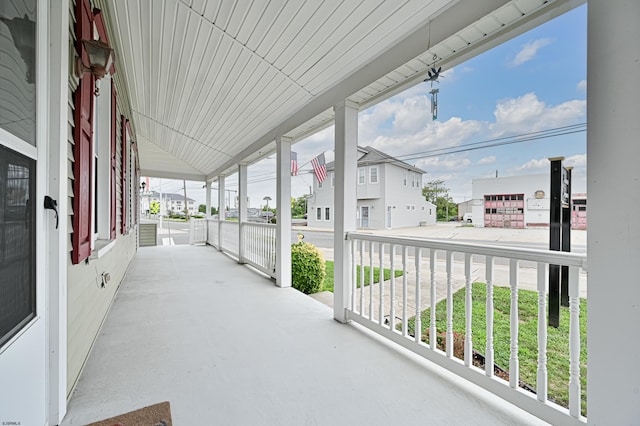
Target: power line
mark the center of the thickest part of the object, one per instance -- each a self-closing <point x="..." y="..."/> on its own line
<point x="473" y="146"/>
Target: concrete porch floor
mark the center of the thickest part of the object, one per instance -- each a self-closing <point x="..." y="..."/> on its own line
<point x="225" y="346"/>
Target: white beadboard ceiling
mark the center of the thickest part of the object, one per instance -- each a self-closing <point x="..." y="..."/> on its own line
<point x="213" y="83"/>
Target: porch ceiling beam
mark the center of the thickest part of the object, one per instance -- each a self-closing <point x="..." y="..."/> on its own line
<point x="448" y="22"/>
<point x="172" y="175"/>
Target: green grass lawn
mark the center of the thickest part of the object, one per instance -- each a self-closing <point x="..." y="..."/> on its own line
<point x="557" y="338"/>
<point x="328" y="280"/>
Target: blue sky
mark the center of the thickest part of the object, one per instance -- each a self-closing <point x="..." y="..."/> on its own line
<point x="534" y="82"/>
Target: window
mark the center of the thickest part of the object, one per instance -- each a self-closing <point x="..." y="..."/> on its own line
<point x="327" y="213"/>
<point x="361" y="176"/>
<point x="413" y="180"/>
<point x="101" y="160"/>
<point x="405" y="178"/>
<point x="18" y="76"/>
<point x="333" y="180"/>
<point x="373" y="174"/>
<point x="408" y="207"/>
<point x="94" y="152"/>
<point x="319" y="213"/>
<point x="319" y="185"/>
<point x="413" y="207"/>
<point x="17" y="245"/>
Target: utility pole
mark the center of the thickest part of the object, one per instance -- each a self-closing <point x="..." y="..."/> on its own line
<point x="186" y="208"/>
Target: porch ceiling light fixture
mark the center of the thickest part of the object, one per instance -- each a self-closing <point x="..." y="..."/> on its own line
<point x="101" y="57"/>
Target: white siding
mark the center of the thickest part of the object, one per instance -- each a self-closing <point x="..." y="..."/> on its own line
<point x="88" y="302"/>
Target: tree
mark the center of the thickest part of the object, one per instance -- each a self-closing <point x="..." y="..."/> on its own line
<point x="154" y="207"/>
<point x="298" y="207"/>
<point x="202" y="208"/>
<point x="437" y="193"/>
<point x="434" y="189"/>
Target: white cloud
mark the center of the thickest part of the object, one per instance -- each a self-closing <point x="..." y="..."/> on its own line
<point x="534" y="165"/>
<point x="487" y="160"/>
<point x="529" y="51"/>
<point x="527" y="113"/>
<point x="582" y="85"/>
<point x="578" y="160"/>
<point x="443" y="164"/>
<point x="541" y="164"/>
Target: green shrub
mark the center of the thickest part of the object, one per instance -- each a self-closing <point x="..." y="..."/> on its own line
<point x="307" y="268"/>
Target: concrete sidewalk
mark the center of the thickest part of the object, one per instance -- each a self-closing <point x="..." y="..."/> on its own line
<point x="458" y="231"/>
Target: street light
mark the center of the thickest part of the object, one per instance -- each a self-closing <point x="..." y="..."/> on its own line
<point x="267" y="199"/>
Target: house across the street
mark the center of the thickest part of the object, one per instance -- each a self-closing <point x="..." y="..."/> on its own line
<point x="389" y="193"/>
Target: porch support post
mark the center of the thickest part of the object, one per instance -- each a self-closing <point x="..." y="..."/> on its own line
<point x="613" y="176"/>
<point x="242" y="208"/>
<point x="57" y="240"/>
<point x="346" y="159"/>
<point x="222" y="207"/>
<point x="283" y="209"/>
<point x="207" y="213"/>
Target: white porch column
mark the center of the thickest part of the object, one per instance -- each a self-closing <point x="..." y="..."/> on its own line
<point x="57" y="244"/>
<point x="242" y="208"/>
<point x="283" y="209"/>
<point x="222" y="206"/>
<point x="346" y="160"/>
<point x="613" y="176"/>
<point x="208" y="199"/>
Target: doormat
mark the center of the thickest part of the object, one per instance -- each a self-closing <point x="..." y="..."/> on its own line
<point x="153" y="415"/>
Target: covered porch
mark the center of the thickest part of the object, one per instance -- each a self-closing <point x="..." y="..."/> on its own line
<point x="224" y="345"/>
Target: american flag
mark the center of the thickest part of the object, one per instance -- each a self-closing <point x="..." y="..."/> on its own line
<point x="319" y="167"/>
<point x="294" y="163"/>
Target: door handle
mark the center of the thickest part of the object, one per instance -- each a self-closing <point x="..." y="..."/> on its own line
<point x="51" y="204"/>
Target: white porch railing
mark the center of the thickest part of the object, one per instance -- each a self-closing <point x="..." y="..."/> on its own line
<point x="212" y="232"/>
<point x="197" y="231"/>
<point x="258" y="240"/>
<point x="230" y="236"/>
<point x="429" y="268"/>
<point x="259" y="246"/>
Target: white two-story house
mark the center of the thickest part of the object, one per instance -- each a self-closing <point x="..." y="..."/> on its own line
<point x="389" y="194"/>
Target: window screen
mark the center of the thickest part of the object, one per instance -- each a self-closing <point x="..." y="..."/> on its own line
<point x="17" y="243"/>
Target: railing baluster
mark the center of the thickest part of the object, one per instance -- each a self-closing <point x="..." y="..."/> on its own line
<point x="432" y="295"/>
<point x="488" y="356"/>
<point x="354" y="282"/>
<point x="541" y="386"/>
<point x="405" y="284"/>
<point x="392" y="288"/>
<point x="418" y="320"/>
<point x="574" y="342"/>
<point x="371" y="249"/>
<point x="362" y="245"/>
<point x="514" y="364"/>
<point x="354" y="265"/>
<point x="449" y="343"/>
<point x="381" y="307"/>
<point x="468" y="337"/>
